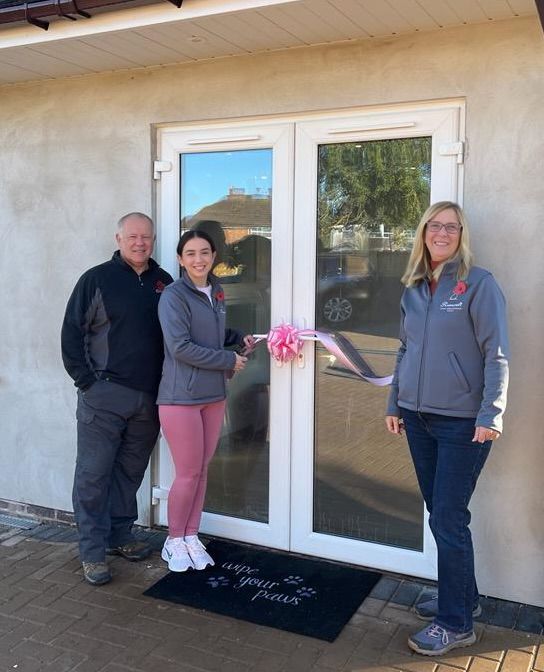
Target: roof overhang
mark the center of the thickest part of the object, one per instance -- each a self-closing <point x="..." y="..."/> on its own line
<point x="540" y="8"/>
<point x="161" y="34"/>
<point x="40" y="13"/>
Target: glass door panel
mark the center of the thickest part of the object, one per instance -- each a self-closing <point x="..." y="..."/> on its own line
<point x="228" y="195"/>
<point x="235" y="181"/>
<point x="362" y="181"/>
<point x="370" y="196"/>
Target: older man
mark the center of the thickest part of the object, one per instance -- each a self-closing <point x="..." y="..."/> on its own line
<point x="112" y="348"/>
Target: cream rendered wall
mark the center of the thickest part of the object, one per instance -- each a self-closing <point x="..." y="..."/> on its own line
<point x="76" y="154"/>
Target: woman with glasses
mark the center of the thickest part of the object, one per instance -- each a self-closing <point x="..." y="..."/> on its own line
<point x="449" y="395"/>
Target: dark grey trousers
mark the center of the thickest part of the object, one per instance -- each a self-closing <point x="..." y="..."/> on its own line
<point x="117" y="428"/>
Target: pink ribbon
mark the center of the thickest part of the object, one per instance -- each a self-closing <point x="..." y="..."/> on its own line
<point x="285" y="343"/>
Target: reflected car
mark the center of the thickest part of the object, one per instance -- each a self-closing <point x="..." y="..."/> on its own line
<point x="344" y="283"/>
<point x="344" y="286"/>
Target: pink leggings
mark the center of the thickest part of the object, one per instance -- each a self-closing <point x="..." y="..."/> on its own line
<point x="192" y="433"/>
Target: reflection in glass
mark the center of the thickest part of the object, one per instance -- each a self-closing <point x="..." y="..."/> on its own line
<point x="228" y="195"/>
<point x="370" y="198"/>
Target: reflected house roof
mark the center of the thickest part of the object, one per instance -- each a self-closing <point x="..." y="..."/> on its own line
<point x="238" y="213"/>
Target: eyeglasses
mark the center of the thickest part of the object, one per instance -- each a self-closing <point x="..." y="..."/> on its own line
<point x="435" y="227"/>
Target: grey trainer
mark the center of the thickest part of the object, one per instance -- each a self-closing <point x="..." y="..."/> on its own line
<point x="434" y="640"/>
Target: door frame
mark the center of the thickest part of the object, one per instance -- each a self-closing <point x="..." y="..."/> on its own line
<point x="294" y="211"/>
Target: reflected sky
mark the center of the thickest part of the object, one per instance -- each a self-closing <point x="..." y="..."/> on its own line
<point x="207" y="177"/>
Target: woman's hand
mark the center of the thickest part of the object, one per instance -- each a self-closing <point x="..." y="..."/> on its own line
<point x="394" y="424"/>
<point x="249" y="344"/>
<point x="240" y="362"/>
<point x="482" y="434"/>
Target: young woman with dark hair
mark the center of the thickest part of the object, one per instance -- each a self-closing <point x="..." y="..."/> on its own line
<point x="192" y="390"/>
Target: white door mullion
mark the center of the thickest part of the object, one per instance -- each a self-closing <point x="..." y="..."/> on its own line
<point x="304" y="273"/>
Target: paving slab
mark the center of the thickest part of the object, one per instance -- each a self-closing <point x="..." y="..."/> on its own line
<point x="51" y="620"/>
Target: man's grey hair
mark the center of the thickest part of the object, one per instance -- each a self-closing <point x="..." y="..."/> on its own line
<point x="141" y="215"/>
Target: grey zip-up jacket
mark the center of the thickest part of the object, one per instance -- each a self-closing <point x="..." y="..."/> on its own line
<point x="195" y="361"/>
<point x="453" y="358"/>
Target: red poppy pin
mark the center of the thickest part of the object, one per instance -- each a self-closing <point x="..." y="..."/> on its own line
<point x="159" y="286"/>
<point x="219" y="296"/>
<point x="460" y="288"/>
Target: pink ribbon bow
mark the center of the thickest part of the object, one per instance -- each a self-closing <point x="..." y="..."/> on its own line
<point x="285" y="343"/>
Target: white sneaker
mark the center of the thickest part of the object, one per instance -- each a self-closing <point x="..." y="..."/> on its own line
<point x="174" y="552"/>
<point x="197" y="552"/>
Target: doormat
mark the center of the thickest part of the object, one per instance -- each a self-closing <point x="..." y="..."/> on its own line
<point x="315" y="598"/>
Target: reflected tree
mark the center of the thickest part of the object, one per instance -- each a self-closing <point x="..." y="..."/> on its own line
<point x="375" y="184"/>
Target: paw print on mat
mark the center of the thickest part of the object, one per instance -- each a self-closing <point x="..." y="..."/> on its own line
<point x="294" y="580"/>
<point x="217" y="581"/>
<point x="306" y="591"/>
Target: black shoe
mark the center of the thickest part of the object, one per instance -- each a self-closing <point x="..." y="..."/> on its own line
<point x="96" y="573"/>
<point x="134" y="550"/>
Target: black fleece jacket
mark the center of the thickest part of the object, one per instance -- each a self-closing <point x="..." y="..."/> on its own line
<point x="111" y="328"/>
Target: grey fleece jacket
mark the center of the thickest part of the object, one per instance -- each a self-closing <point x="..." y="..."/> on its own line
<point x="453" y="358"/>
<point x="195" y="361"/>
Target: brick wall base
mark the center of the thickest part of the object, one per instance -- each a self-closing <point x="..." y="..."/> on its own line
<point x="38" y="513"/>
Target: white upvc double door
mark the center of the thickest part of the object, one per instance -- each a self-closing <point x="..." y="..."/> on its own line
<point x="330" y="491"/>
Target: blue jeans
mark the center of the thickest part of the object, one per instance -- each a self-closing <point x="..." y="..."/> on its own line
<point x="447" y="465"/>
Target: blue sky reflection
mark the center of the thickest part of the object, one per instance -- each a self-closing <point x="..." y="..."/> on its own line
<point x="207" y="177"/>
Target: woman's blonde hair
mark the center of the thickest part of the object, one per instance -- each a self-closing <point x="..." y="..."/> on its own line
<point x="419" y="263"/>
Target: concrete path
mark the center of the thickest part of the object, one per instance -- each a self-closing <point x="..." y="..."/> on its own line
<point x="50" y="619"/>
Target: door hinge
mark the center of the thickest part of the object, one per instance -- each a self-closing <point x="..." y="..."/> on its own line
<point x="161" y="167"/>
<point x="158" y="493"/>
<point x="453" y="149"/>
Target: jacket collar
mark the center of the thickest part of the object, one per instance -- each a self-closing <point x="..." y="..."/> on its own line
<point x="450" y="268"/>
<point x="118" y="259"/>
<point x="212" y="279"/>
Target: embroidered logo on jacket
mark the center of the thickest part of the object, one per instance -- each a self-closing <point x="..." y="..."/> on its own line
<point x="454" y="303"/>
<point x="451" y="304"/>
